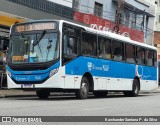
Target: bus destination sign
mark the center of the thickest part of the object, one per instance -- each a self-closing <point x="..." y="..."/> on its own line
<point x="35" y="26"/>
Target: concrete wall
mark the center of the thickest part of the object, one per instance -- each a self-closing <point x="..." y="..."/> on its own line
<point x="109" y="9"/>
<point x="157" y="27"/>
<point x="67" y="3"/>
<point x="87" y="6"/>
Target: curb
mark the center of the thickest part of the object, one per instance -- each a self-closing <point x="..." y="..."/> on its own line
<point x="5" y="93"/>
<point x="23" y="94"/>
<point x="12" y="96"/>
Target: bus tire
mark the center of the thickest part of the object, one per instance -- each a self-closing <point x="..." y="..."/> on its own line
<point x="43" y="93"/>
<point x="82" y="93"/>
<point x="100" y="93"/>
<point x="135" y="89"/>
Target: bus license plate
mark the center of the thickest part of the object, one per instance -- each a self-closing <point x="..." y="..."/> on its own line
<point x="27" y="86"/>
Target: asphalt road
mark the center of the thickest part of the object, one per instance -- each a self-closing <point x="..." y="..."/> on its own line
<point x="146" y="104"/>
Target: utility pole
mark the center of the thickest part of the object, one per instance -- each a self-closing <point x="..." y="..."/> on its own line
<point x="119" y="10"/>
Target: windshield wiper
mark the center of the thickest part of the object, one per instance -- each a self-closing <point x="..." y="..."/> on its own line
<point x="21" y="37"/>
<point x="39" y="38"/>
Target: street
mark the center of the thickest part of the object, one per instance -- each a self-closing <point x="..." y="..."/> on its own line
<point x="146" y="104"/>
<point x="115" y="104"/>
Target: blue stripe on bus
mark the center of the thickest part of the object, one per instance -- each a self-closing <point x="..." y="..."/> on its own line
<point x="108" y="68"/>
<point x="33" y="75"/>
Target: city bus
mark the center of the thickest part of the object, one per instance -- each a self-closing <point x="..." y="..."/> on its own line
<point x="59" y="56"/>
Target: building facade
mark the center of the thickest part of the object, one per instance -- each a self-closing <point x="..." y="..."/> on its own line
<point x="136" y="17"/>
<point x="157" y="29"/>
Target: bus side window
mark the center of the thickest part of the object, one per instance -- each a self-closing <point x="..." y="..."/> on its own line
<point x="104" y="48"/>
<point x="69" y="48"/>
<point x="118" y="50"/>
<point x="140" y="55"/>
<point x="155" y="59"/>
<point x="130" y="53"/>
<point x="89" y="44"/>
<point x="70" y="45"/>
<point x="149" y="57"/>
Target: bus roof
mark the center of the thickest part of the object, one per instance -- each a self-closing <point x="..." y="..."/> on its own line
<point x="112" y="35"/>
<point x="104" y="33"/>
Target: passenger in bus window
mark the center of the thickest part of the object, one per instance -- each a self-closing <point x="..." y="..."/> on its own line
<point x="105" y="51"/>
<point x="140" y="56"/>
<point x="32" y="56"/>
<point x="108" y="50"/>
<point x="130" y="56"/>
<point x="117" y="54"/>
<point x="69" y="44"/>
<point x="86" y="49"/>
<point x="102" y="49"/>
<point x="94" y="49"/>
<point x="150" y="58"/>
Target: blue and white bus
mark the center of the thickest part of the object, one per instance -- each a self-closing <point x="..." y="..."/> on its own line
<point x="55" y="55"/>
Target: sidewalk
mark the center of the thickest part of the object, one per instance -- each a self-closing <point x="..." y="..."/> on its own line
<point x="21" y="93"/>
<point x="16" y="93"/>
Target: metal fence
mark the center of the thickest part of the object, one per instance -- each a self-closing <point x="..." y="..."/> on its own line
<point x="46" y="6"/>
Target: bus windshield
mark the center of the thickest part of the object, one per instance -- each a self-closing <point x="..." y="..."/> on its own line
<point x="33" y="48"/>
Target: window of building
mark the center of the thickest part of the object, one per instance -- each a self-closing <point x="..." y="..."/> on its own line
<point x="132" y="20"/>
<point x="139" y="22"/>
<point x="130" y="53"/>
<point x="118" y="50"/>
<point x="125" y="17"/>
<point x="89" y="44"/>
<point x="75" y="4"/>
<point x="98" y="9"/>
<point x="104" y="48"/>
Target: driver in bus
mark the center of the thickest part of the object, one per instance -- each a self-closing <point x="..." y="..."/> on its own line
<point x="32" y="56"/>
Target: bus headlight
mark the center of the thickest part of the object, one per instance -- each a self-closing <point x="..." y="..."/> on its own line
<point x="9" y="74"/>
<point x="52" y="72"/>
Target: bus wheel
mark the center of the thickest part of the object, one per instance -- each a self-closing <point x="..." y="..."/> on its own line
<point x="43" y="93"/>
<point x="100" y="94"/>
<point x="135" y="89"/>
<point x="82" y="93"/>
